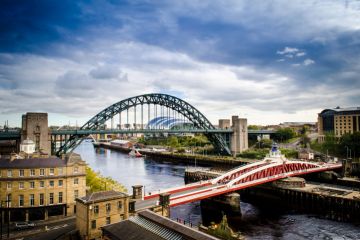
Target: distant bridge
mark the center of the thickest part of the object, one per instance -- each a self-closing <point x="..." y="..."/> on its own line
<point x="229" y="140"/>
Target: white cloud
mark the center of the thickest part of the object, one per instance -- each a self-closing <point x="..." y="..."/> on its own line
<point x="308" y="61"/>
<point x="287" y="50"/>
<point x="300" y="54"/>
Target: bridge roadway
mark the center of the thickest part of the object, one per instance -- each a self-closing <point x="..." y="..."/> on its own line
<point x="16" y="134"/>
<point x="257" y="173"/>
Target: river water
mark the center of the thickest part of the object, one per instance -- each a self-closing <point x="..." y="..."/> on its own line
<point x="256" y="222"/>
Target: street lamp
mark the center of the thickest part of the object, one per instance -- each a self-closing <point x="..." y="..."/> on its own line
<point x="347" y="150"/>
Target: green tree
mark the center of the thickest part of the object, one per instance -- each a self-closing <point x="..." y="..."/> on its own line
<point x="284" y="134"/>
<point x="173" y="142"/>
<point x="254" y="127"/>
<point x="330" y="144"/>
<point x="350" y="143"/>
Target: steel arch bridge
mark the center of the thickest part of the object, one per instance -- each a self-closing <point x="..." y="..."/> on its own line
<point x="176" y="104"/>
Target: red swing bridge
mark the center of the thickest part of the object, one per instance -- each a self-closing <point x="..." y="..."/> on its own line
<point x="273" y="167"/>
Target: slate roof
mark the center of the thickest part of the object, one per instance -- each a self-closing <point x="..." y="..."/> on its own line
<point x="185" y="231"/>
<point x="32" y="163"/>
<point x="127" y="230"/>
<point x="149" y="225"/>
<point x="101" y="196"/>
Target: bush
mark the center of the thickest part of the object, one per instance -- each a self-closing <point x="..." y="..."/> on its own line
<point x="96" y="182"/>
<point x="254" y="154"/>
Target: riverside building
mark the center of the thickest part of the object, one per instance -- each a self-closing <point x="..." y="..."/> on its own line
<point x="99" y="209"/>
<point x="38" y="187"/>
<point x="338" y="121"/>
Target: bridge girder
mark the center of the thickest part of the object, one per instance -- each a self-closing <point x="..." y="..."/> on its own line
<point x="174" y="103"/>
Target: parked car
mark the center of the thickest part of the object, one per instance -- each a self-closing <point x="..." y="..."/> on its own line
<point x="24" y="225"/>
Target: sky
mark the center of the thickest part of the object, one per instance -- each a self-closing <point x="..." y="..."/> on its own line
<point x="268" y="61"/>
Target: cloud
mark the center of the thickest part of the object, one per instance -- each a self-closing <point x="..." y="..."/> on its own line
<point x="107" y="71"/>
<point x="287" y="50"/>
<point x="300" y="54"/>
<point x="308" y="62"/>
<point x="222" y="57"/>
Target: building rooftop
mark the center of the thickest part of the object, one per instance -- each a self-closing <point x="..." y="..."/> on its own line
<point x="102" y="196"/>
<point x="128" y="230"/>
<point x="340" y="110"/>
<point x="48" y="162"/>
<point x="149" y="225"/>
<point x="34" y="161"/>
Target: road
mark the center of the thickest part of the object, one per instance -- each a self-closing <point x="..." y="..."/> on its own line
<point x="44" y="230"/>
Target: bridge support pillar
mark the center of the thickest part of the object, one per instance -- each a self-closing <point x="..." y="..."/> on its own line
<point x="137" y="191"/>
<point x="164" y="202"/>
<point x="239" y="138"/>
<point x="229" y="204"/>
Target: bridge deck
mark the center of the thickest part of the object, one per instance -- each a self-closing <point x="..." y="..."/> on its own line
<point x="206" y="189"/>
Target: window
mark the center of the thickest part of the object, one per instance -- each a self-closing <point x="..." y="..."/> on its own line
<point x="119" y="205"/>
<point x="76" y="169"/>
<point x="42" y="172"/>
<point x="51" y="171"/>
<point x="8" y="200"/>
<point x="51" y="198"/>
<point x="41" y="199"/>
<point x="96" y="209"/>
<point x="60" y="171"/>
<point x="21" y="200"/>
<point x="32" y="184"/>
<point x="32" y="199"/>
<point x="76" y="181"/>
<point x="60" y="183"/>
<point x="9" y="185"/>
<point x="32" y="172"/>
<point x="107" y="220"/>
<point x="76" y="194"/>
<point x="60" y="197"/>
<point x="93" y="224"/>
<point x="51" y="183"/>
<point x="9" y="173"/>
<point x="42" y="184"/>
<point x="21" y="185"/>
<point x="108" y="207"/>
<point x="21" y="172"/>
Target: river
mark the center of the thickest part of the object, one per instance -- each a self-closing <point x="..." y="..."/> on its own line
<point x="256" y="222"/>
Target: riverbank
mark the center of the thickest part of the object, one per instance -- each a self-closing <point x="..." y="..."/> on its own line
<point x="182" y="157"/>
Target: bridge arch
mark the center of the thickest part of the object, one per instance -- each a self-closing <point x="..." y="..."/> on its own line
<point x="187" y="110"/>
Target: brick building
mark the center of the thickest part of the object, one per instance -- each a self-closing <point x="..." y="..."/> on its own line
<point x="98" y="209"/>
<point x="37" y="188"/>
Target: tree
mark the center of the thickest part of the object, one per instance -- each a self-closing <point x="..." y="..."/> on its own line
<point x="284" y="134"/>
<point x="330" y="143"/>
<point x="173" y="142"/>
<point x="254" y="127"/>
<point x="349" y="144"/>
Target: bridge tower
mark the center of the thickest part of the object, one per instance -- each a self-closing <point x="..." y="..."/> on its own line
<point x="35" y="128"/>
<point x="239" y="138"/>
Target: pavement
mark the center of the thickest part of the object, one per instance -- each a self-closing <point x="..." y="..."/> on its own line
<point x="45" y="230"/>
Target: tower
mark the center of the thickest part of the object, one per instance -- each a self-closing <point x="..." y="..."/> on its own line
<point x="35" y="128"/>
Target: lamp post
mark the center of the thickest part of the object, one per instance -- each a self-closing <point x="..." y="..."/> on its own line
<point x="347" y="150"/>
